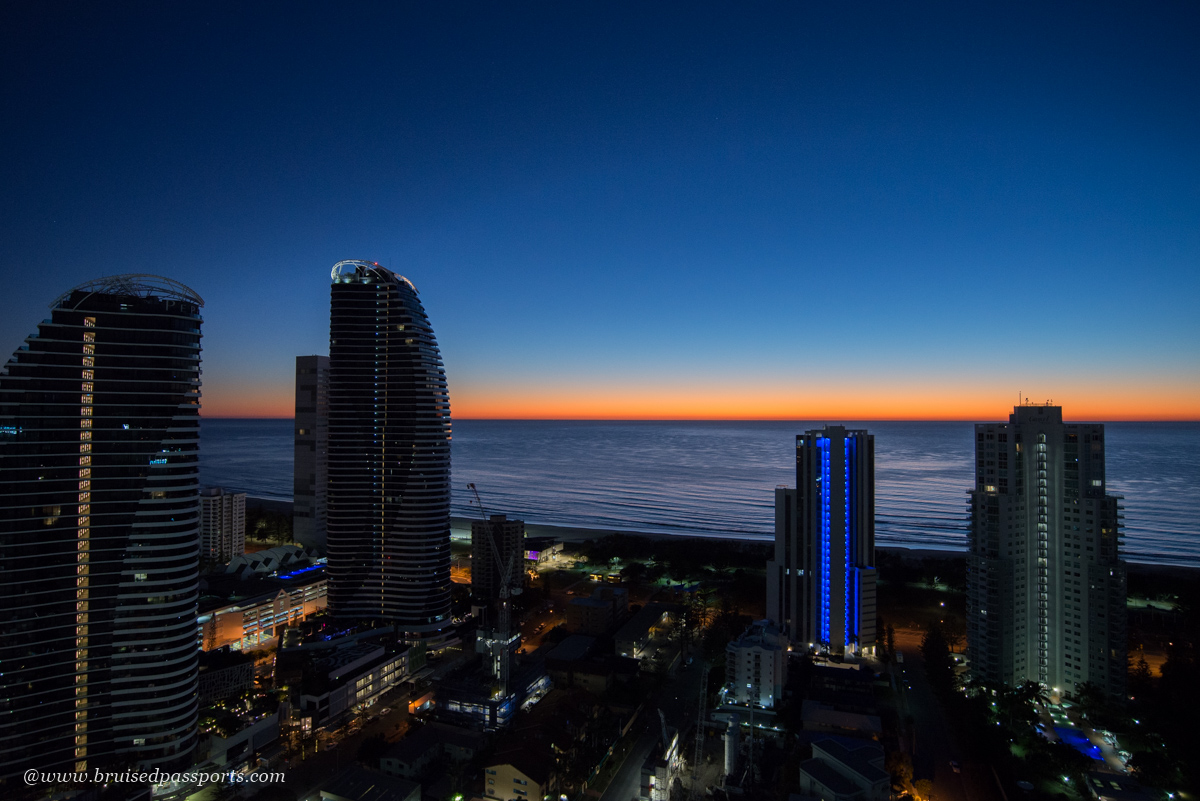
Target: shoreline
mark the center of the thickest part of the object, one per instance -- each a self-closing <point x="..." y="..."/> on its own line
<point x="460" y="528"/>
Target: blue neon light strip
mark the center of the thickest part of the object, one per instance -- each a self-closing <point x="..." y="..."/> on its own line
<point x="823" y="446"/>
<point x="847" y="579"/>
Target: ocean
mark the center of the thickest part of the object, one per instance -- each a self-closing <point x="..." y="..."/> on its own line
<point x="718" y="478"/>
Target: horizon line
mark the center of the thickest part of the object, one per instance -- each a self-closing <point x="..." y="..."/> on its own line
<point x="743" y="419"/>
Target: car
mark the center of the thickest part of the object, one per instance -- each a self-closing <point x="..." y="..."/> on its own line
<point x="954" y="766"/>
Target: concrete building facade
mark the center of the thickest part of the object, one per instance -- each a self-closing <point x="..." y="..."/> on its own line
<point x="222" y="525"/>
<point x="756" y="666"/>
<point x="1046" y="585"/>
<point x="508" y="537"/>
<point x="311" y="452"/>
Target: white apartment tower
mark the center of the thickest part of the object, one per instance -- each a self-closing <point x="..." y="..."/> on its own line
<point x="756" y="666"/>
<point x="1045" y="581"/>
<point x="311" y="477"/>
<point x="222" y="524"/>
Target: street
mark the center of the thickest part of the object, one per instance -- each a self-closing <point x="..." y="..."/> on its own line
<point x="678" y="701"/>
<point x="930" y="739"/>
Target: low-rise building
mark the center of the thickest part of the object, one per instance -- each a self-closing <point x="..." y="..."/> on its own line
<point x="845" y="770"/>
<point x="660" y="768"/>
<point x="541" y="550"/>
<point x="253" y="622"/>
<point x="281" y="558"/>
<point x="421" y="748"/>
<point x="224" y="673"/>
<point x="232" y="747"/>
<point x="473" y="699"/>
<point x="589" y="616"/>
<point x="360" y="784"/>
<point x="338" y="676"/>
<point x="756" y="666"/>
<point x="652" y="621"/>
<point x="525" y="774"/>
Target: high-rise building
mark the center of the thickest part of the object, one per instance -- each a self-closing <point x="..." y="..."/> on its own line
<point x="388" y="503"/>
<point x="1045" y="581"/>
<point x="821" y="583"/>
<point x="508" y="538"/>
<point x="311" y="465"/>
<point x="222" y="525"/>
<point x="99" y="515"/>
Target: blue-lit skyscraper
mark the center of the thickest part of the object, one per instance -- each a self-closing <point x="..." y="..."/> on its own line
<point x="821" y="583"/>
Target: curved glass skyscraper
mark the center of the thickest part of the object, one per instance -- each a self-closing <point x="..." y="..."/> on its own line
<point x="99" y="515"/>
<point x="388" y="505"/>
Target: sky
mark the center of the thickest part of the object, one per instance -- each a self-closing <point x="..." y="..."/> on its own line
<point x="781" y="210"/>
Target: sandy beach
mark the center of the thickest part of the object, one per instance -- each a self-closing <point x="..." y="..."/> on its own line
<point x="460" y="529"/>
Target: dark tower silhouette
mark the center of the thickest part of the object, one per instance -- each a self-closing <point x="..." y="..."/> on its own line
<point x="388" y="504"/>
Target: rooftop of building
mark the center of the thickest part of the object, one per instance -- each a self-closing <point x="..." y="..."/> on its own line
<point x="859" y="758"/>
<point x="359" y="784"/>
<point x="595" y="603"/>
<point x="221" y="590"/>
<point x="222" y="658"/>
<point x="531" y="759"/>
<point x="761" y="634"/>
<point x="356" y="271"/>
<point x="829" y="778"/>
<point x="573" y="648"/>
<point x="646" y="618"/>
<point x="140" y="285"/>
<point x="420" y="741"/>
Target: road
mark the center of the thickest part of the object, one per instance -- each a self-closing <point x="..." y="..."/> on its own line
<point x="931" y="740"/>
<point x="678" y="701"/>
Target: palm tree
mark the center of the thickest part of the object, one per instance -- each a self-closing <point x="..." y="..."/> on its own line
<point x="1032" y="693"/>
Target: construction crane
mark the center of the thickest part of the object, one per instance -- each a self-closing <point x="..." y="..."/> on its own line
<point x="698" y="752"/>
<point x="504" y="624"/>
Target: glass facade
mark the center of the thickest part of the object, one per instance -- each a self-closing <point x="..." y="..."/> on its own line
<point x="99" y="517"/>
<point x="388" y="502"/>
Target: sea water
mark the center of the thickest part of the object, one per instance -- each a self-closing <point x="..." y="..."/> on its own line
<point x="718" y="478"/>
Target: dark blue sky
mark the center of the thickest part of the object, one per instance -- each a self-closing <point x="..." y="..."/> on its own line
<point x="785" y="209"/>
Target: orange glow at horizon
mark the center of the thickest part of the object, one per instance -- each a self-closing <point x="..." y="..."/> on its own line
<point x="1130" y="400"/>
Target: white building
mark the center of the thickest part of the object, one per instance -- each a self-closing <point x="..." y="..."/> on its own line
<point x="222" y="524"/>
<point x="1045" y="581"/>
<point x="756" y="666"/>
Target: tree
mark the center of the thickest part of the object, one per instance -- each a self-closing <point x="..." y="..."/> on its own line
<point x="1092" y="700"/>
<point x="923" y="788"/>
<point x="1141" y="680"/>
<point x="899" y="765"/>
<point x="938" y="664"/>
<point x="634" y="572"/>
<point x="1156" y="768"/>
